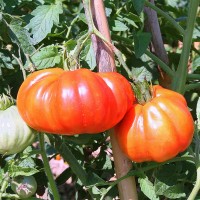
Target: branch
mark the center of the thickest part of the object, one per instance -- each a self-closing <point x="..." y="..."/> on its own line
<point x="152" y="25"/>
<point x="166" y="16"/>
<point x="96" y="18"/>
<point x="95" y="15"/>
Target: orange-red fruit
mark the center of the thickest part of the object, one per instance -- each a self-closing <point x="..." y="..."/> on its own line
<point x="74" y="102"/>
<point x="158" y="130"/>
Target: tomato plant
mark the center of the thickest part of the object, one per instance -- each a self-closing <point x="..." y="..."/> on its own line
<point x="158" y="130"/>
<point x="24" y="186"/>
<point x="146" y="41"/>
<point x="15" y="135"/>
<point x="73" y="102"/>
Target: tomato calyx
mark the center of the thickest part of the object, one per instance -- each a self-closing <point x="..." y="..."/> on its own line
<point x="143" y="91"/>
<point x="6" y="101"/>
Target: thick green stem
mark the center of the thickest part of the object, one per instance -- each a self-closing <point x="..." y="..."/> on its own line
<point x="47" y="168"/>
<point x="179" y="80"/>
<point x="166" y="16"/>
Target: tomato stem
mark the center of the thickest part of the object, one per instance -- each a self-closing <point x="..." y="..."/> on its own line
<point x="47" y="168"/>
<point x="180" y="77"/>
<point x="20" y="65"/>
<point x="142" y="91"/>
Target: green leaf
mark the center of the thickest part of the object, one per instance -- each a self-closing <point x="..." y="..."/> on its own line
<point x="196" y="33"/>
<point x="21" y="171"/>
<point x="169" y="191"/>
<point x="138" y="5"/>
<point x="142" y="74"/>
<point x="83" y="139"/>
<point x="4" y="33"/>
<point x="198" y="113"/>
<point x="119" y="26"/>
<point x="196" y="63"/>
<point x="88" y="55"/>
<point x="141" y="41"/>
<point x="82" y="17"/>
<point x="70" y="45"/>
<point x="175" y="192"/>
<point x="45" y="17"/>
<point x="132" y="19"/>
<point x="20" y="36"/>
<point x="28" y="163"/>
<point x="46" y="57"/>
<point x="128" y="20"/>
<point x="1" y="175"/>
<point x="108" y="12"/>
<point x="147" y="188"/>
<point x="2" y="5"/>
<point x="107" y="163"/>
<point x="93" y="179"/>
<point x="5" y="60"/>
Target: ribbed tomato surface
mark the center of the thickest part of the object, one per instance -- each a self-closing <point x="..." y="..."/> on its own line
<point x="158" y="130"/>
<point x="73" y="102"/>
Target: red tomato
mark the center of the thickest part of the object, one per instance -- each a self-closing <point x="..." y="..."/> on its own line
<point x="121" y="89"/>
<point x="73" y="102"/>
<point x="158" y="130"/>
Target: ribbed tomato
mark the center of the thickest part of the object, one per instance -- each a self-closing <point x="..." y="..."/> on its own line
<point x="73" y="102"/>
<point x="158" y="130"/>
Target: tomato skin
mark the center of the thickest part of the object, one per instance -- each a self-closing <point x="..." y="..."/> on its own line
<point x="24" y="186"/>
<point x="69" y="102"/>
<point x="158" y="130"/>
<point x="15" y="135"/>
<point x="122" y="90"/>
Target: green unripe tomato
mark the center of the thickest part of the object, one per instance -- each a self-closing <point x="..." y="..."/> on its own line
<point x="24" y="186"/>
<point x="15" y="135"/>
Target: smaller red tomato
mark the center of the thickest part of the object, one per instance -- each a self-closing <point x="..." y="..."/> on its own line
<point x="158" y="130"/>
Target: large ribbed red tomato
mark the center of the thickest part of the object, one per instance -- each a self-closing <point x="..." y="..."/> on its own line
<point x="73" y="102"/>
<point x="158" y="130"/>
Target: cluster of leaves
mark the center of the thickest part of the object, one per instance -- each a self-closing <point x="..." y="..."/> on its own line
<point x="47" y="33"/>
